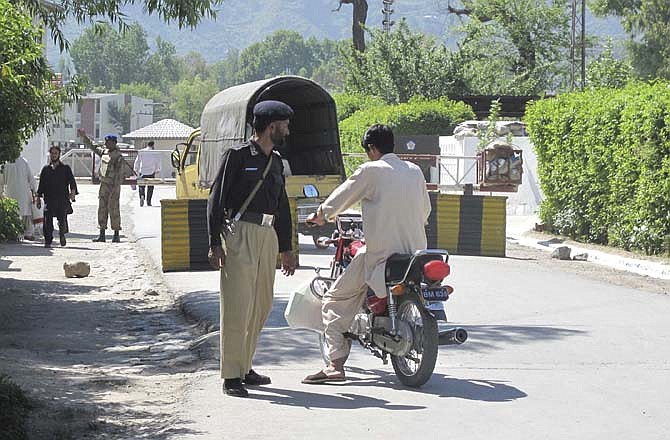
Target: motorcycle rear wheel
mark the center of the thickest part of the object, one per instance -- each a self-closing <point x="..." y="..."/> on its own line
<point x="424" y="348"/>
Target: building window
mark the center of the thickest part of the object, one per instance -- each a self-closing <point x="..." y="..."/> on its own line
<point x="97" y="106"/>
<point x="68" y="125"/>
<point x="97" y="132"/>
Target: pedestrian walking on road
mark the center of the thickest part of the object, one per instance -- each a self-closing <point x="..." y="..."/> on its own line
<point x="147" y="164"/>
<point x="58" y="187"/>
<point x="249" y="206"/>
<point x="112" y="174"/>
<point x="19" y="184"/>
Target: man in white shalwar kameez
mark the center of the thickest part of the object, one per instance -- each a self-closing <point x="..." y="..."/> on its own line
<point x="395" y="207"/>
<point x="19" y="184"/>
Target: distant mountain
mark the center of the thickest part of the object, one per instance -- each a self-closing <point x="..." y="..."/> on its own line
<point x="243" y="22"/>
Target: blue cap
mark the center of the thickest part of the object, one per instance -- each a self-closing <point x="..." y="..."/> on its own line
<point x="273" y="110"/>
<point x="111" y="137"/>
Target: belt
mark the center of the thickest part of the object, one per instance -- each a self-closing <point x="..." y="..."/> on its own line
<point x="258" y="219"/>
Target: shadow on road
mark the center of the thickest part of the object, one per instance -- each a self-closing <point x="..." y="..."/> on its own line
<point x="490" y="337"/>
<point x="305" y="399"/>
<point x="439" y="386"/>
<point x="442" y="386"/>
<point x="29" y="249"/>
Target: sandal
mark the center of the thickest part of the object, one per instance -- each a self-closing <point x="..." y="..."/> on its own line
<point x="322" y="377"/>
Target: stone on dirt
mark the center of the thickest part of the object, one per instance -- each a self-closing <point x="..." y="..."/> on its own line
<point x="581" y="257"/>
<point x="561" y="253"/>
<point x="80" y="269"/>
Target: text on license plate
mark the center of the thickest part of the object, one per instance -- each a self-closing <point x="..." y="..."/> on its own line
<point x="435" y="293"/>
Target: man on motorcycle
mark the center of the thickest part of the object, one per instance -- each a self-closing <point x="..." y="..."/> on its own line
<point x="395" y="206"/>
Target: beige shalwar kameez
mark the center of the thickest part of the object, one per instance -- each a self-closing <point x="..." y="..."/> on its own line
<point x="395" y="207"/>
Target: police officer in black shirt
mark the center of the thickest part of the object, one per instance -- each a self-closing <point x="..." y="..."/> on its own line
<point x="254" y="231"/>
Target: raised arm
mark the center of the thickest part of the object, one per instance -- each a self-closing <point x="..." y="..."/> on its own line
<point x="89" y="143"/>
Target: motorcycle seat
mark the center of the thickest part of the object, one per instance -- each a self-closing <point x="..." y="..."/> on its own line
<point x="396" y="266"/>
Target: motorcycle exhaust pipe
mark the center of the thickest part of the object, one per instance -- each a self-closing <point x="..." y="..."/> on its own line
<point x="453" y="336"/>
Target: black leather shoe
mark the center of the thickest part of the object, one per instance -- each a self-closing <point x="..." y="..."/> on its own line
<point x="234" y="388"/>
<point x="116" y="238"/>
<point x="253" y="378"/>
<point x="101" y="237"/>
<point x="63" y="242"/>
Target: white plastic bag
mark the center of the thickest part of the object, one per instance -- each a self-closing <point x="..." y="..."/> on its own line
<point x="38" y="213"/>
<point x="304" y="309"/>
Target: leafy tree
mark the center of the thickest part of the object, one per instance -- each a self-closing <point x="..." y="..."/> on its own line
<point x="163" y="67"/>
<point x="183" y="12"/>
<point x="327" y="69"/>
<point x="161" y="100"/>
<point x="607" y="71"/>
<point x="349" y="103"/>
<point x="143" y="90"/>
<point x="225" y="71"/>
<point x="282" y="53"/>
<point x="189" y="97"/>
<point x="514" y="47"/>
<point x="119" y="117"/>
<point x="28" y="97"/>
<point x="648" y="23"/>
<point x="400" y="65"/>
<point x="109" y="58"/>
<point x="194" y="64"/>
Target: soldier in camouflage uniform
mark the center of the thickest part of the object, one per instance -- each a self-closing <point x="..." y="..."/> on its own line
<point x="112" y="174"/>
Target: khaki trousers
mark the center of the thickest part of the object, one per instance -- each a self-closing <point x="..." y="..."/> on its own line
<point x="247" y="281"/>
<point x="108" y="204"/>
<point x="341" y="303"/>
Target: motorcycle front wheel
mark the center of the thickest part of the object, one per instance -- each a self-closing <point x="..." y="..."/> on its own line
<point x="415" y="367"/>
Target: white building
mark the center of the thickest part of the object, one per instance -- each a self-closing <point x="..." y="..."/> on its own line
<point x="166" y="134"/>
<point x="93" y="113"/>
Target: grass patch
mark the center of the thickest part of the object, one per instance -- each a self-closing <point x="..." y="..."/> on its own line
<point x="14" y="408"/>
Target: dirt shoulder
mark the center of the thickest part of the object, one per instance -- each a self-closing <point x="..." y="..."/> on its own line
<point x="100" y="357"/>
<point x="588" y="269"/>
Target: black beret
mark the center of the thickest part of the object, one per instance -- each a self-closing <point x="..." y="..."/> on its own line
<point x="273" y="110"/>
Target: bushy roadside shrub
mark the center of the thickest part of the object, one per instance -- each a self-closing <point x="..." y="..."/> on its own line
<point x="418" y="116"/>
<point x="11" y="225"/>
<point x="604" y="164"/>
<point x="349" y="103"/>
<point x="13" y="410"/>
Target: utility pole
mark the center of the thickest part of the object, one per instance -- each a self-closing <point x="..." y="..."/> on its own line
<point x="387" y="10"/>
<point x="578" y="45"/>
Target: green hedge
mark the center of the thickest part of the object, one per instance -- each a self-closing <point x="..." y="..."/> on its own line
<point x="11" y="225"/>
<point x="349" y="103"/>
<point x="419" y="116"/>
<point x="604" y="164"/>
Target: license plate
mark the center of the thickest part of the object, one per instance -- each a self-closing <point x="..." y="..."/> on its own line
<point x="435" y="293"/>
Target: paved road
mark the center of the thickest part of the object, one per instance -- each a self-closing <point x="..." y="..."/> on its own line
<point x="551" y="355"/>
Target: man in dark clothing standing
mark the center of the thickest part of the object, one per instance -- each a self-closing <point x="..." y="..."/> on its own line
<point x="249" y="193"/>
<point x="58" y="187"/>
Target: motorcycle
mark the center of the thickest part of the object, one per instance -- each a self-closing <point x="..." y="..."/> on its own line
<point x="404" y="324"/>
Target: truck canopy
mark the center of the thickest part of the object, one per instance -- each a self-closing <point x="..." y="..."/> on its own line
<point x="312" y="148"/>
